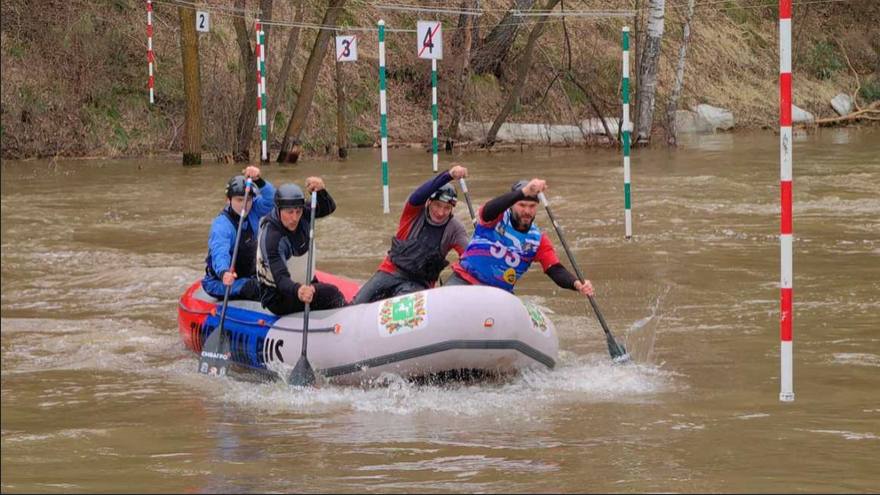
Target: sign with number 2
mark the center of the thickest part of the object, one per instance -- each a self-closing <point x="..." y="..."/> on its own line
<point x="203" y="21"/>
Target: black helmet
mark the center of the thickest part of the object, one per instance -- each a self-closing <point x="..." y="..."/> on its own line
<point x="521" y="184"/>
<point x="236" y="187"/>
<point x="446" y="194"/>
<point x="289" y="196"/>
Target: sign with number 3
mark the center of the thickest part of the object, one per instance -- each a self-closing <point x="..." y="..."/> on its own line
<point x="346" y="48"/>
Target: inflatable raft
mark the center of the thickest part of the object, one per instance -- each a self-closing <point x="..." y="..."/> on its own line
<point x="440" y="330"/>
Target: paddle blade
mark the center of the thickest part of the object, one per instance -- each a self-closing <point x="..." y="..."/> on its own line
<point x="214" y="359"/>
<point x="302" y="374"/>
<point x="617" y="351"/>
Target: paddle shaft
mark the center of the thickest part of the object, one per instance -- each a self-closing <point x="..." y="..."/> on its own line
<point x="577" y="270"/>
<point x="309" y="273"/>
<point x="221" y="336"/>
<point x="467" y="198"/>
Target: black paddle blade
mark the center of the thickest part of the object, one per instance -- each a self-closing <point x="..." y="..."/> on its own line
<point x="302" y="374"/>
<point x="214" y="359"/>
<point x="617" y="351"/>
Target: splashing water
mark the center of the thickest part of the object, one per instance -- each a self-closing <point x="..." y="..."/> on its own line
<point x="576" y="379"/>
<point x="641" y="336"/>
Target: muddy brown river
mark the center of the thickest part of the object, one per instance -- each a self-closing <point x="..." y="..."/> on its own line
<point x="100" y="395"/>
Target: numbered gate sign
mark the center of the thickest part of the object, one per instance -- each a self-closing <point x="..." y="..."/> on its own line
<point x="430" y="40"/>
<point x="346" y="48"/>
<point x="203" y="21"/>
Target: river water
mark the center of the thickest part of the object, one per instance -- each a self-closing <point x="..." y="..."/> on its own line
<point x="99" y="394"/>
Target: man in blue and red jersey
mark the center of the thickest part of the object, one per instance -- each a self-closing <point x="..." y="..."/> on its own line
<point x="426" y="233"/>
<point x="506" y="242"/>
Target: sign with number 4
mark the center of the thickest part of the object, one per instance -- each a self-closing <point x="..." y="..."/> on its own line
<point x="203" y="21"/>
<point x="346" y="48"/>
<point x="430" y="40"/>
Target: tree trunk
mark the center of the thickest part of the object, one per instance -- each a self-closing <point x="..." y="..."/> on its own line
<point x="648" y="71"/>
<point x="456" y="97"/>
<point x="247" y="113"/>
<point x="671" y="137"/>
<point x="280" y="83"/>
<point x="290" y="145"/>
<point x="522" y="71"/>
<point x="493" y="51"/>
<point x="189" y="47"/>
<point x="341" y="132"/>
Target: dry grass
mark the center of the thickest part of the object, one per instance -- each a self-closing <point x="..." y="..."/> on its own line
<point x="76" y="85"/>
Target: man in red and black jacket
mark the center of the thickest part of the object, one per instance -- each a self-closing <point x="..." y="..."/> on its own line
<point x="426" y="233"/>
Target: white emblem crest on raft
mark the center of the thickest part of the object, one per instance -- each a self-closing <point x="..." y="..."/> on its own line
<point x="403" y="314"/>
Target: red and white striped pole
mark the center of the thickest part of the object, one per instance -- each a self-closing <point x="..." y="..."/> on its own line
<point x="258" y="57"/>
<point x="786" y="380"/>
<point x="150" y="47"/>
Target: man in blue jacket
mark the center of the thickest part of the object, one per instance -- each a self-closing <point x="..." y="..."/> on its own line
<point x="221" y="241"/>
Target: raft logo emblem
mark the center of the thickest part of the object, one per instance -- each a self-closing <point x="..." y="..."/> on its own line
<point x="538" y="321"/>
<point x="403" y="314"/>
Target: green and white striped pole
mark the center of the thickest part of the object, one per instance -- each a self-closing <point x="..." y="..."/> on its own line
<point x="626" y="134"/>
<point x="264" y="126"/>
<point x="383" y="118"/>
<point x="434" y="111"/>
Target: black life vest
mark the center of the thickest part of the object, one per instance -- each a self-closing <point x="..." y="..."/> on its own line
<point x="416" y="260"/>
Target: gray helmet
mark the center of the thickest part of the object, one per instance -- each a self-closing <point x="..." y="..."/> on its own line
<point x="289" y="196"/>
<point x="236" y="187"/>
<point x="446" y="194"/>
<point x="521" y="184"/>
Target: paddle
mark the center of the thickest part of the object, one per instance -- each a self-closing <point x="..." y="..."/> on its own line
<point x="617" y="351"/>
<point x="302" y="374"/>
<point x="215" y="353"/>
<point x="467" y="198"/>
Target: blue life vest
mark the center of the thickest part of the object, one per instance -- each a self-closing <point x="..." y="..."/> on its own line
<point x="500" y="255"/>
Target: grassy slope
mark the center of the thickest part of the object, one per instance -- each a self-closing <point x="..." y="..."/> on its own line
<point x="74" y="73"/>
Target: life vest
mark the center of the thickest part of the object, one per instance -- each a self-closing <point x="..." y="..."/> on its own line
<point x="292" y="247"/>
<point x="500" y="255"/>
<point x="417" y="260"/>
<point x="245" y="263"/>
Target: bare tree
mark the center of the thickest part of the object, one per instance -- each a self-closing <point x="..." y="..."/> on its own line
<point x="189" y="47"/>
<point x="679" y="76"/>
<point x="280" y="82"/>
<point x="464" y="40"/>
<point x="522" y="71"/>
<point x="247" y="113"/>
<point x="341" y="132"/>
<point x="493" y="51"/>
<point x="650" y="58"/>
<point x="290" y="145"/>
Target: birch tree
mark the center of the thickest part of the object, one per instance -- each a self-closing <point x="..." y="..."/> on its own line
<point x="671" y="138"/>
<point x="650" y="61"/>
